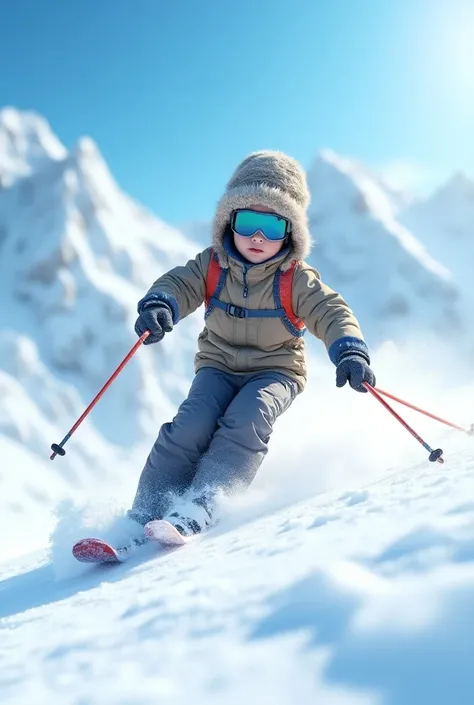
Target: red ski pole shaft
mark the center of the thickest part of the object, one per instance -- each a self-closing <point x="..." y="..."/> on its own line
<point x="470" y="431"/>
<point x="58" y="448"/>
<point x="435" y="455"/>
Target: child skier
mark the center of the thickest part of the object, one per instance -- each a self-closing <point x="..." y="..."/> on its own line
<point x="260" y="296"/>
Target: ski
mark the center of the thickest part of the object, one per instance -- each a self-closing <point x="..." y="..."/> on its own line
<point x="164" y="533"/>
<point x="97" y="551"/>
<point x="93" y="550"/>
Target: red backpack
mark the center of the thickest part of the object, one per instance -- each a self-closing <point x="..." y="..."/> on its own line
<point x="282" y="295"/>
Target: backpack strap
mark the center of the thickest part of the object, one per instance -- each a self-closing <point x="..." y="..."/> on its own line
<point x="283" y="295"/>
<point x="214" y="272"/>
<point x="215" y="280"/>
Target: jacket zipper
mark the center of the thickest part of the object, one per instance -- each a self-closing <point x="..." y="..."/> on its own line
<point x="246" y="288"/>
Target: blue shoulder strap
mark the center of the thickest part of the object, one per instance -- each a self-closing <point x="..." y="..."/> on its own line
<point x="213" y="300"/>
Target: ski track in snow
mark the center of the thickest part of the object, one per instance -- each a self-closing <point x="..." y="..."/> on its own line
<point x="360" y="597"/>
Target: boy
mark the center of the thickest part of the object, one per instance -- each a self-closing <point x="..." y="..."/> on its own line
<point x="260" y="297"/>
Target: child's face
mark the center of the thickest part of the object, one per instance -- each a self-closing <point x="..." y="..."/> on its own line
<point x="257" y="249"/>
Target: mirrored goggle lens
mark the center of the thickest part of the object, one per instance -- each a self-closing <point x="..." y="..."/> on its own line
<point x="272" y="226"/>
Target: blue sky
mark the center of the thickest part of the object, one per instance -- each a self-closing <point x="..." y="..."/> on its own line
<point x="176" y="92"/>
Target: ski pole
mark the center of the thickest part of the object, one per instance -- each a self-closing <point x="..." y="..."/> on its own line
<point x="58" y="448"/>
<point x="470" y="432"/>
<point x="435" y="455"/>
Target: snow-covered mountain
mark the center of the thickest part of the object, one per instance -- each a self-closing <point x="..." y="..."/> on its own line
<point x="76" y="254"/>
<point x="391" y="280"/>
<point x="27" y="144"/>
<point x="445" y="223"/>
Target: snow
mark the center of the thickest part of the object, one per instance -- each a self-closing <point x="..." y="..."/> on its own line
<point x="27" y="144"/>
<point x="363" y="247"/>
<point x="445" y="220"/>
<point x="357" y="596"/>
<point x="345" y="576"/>
<point x="77" y="256"/>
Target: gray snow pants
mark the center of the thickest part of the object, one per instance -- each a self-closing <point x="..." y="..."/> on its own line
<point x="217" y="440"/>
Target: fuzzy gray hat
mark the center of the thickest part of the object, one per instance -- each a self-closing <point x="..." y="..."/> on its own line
<point x="271" y="179"/>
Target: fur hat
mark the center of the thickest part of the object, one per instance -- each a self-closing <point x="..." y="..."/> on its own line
<point x="271" y="179"/>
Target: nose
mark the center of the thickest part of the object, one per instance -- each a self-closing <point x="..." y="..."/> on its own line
<point x="258" y="236"/>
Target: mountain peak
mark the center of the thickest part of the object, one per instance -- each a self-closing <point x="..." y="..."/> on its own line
<point x="458" y="186"/>
<point x="339" y="162"/>
<point x="27" y="144"/>
<point x="86" y="147"/>
<point x="92" y="174"/>
<point x="370" y="186"/>
<point x="334" y="178"/>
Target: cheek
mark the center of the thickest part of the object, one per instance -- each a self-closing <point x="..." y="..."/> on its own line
<point x="238" y="242"/>
<point x="274" y="247"/>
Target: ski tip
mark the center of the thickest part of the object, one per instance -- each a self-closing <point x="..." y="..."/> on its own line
<point x="164" y="532"/>
<point x="95" y="551"/>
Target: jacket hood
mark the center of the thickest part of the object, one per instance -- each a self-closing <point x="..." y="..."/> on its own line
<point x="271" y="179"/>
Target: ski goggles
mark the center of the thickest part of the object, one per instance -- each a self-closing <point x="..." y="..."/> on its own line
<point x="273" y="227"/>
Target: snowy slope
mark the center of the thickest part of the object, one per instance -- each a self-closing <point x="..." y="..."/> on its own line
<point x="34" y="408"/>
<point x="361" y="596"/>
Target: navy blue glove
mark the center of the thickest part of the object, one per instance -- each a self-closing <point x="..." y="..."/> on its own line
<point x="155" y="316"/>
<point x="354" y="368"/>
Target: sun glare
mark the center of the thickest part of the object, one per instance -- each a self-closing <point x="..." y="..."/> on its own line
<point x="462" y="55"/>
<point x="453" y="46"/>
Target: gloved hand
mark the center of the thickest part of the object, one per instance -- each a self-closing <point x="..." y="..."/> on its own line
<point x="354" y="368"/>
<point x="155" y="316"/>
